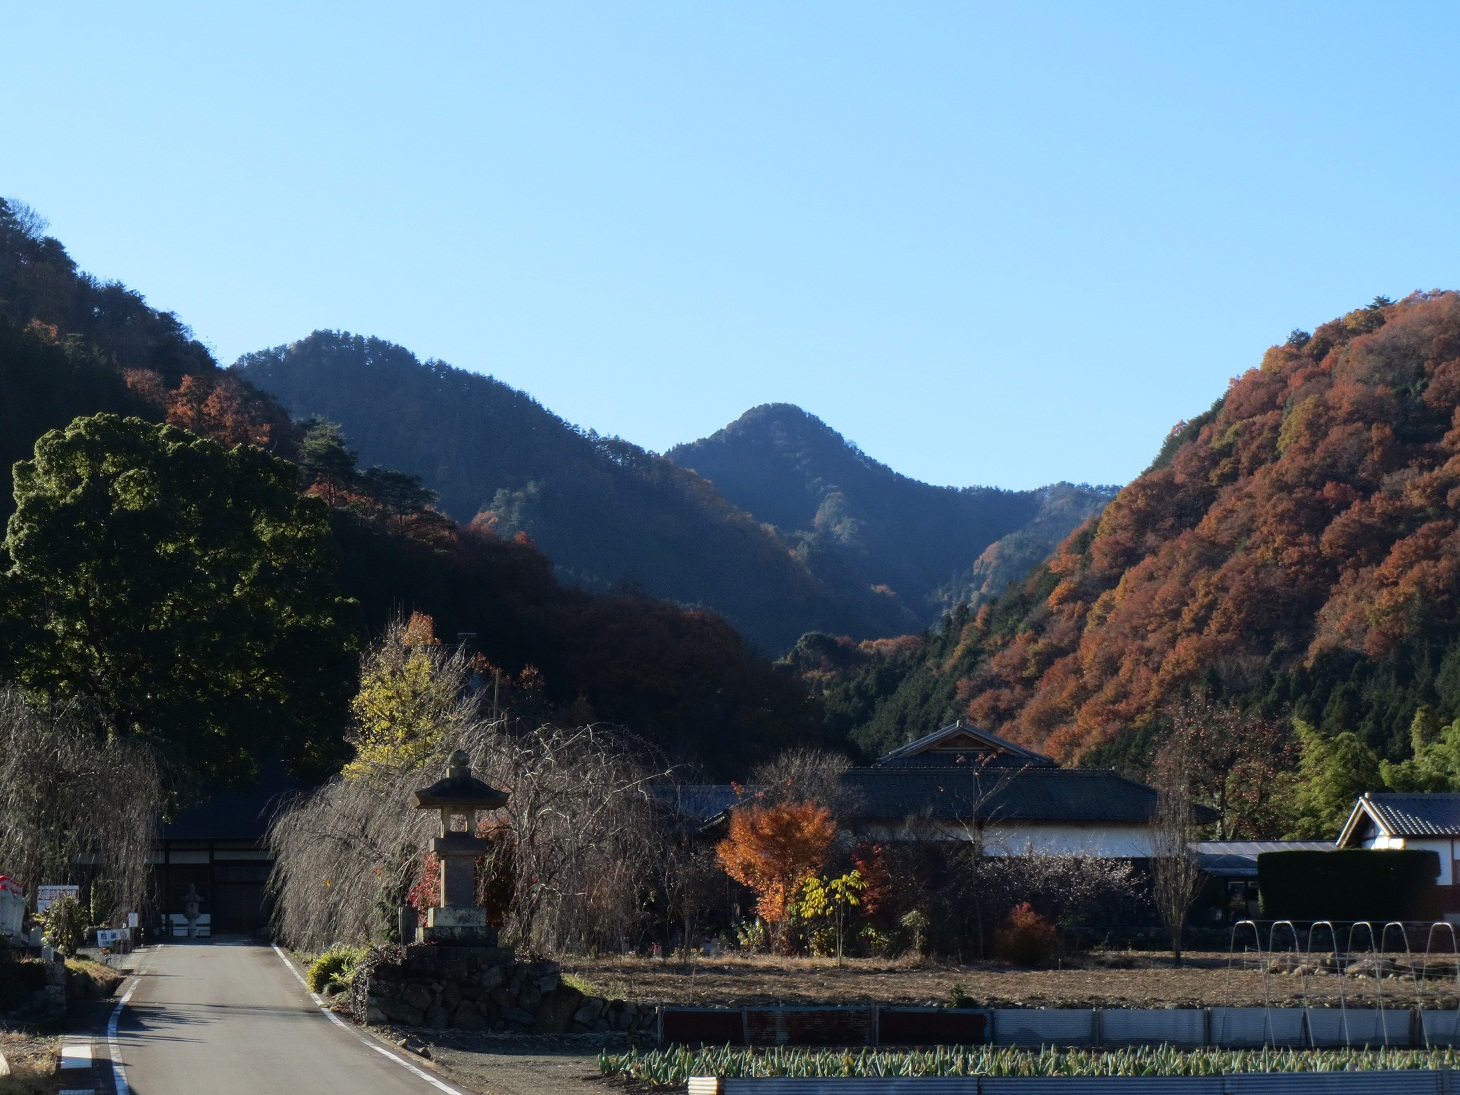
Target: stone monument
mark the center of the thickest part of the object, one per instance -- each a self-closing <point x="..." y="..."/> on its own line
<point x="458" y="919"/>
<point x="457" y="978"/>
<point x="191" y="900"/>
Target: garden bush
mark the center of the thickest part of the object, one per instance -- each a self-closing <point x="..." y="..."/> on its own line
<point x="1025" y="938"/>
<point x="65" y="925"/>
<point x="332" y="971"/>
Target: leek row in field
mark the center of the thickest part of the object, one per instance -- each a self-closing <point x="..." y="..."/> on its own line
<point x="673" y="1066"/>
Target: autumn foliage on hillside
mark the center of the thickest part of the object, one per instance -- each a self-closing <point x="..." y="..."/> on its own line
<point x="1310" y="519"/>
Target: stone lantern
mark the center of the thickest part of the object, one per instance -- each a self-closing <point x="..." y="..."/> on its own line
<point x="458" y="918"/>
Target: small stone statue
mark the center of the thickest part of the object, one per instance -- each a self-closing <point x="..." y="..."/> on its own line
<point x="191" y="900"/>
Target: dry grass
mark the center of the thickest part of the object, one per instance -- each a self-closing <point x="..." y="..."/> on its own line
<point x="1122" y="980"/>
<point x="91" y="980"/>
<point x="32" y="1061"/>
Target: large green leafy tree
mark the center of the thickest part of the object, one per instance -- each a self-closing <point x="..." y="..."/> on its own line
<point x="183" y="594"/>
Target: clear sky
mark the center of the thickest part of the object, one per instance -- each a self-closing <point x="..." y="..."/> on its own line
<point x="990" y="243"/>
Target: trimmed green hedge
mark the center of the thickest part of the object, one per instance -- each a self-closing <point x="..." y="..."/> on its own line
<point x="1352" y="884"/>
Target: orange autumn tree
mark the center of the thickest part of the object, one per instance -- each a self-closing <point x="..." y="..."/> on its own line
<point x="774" y="849"/>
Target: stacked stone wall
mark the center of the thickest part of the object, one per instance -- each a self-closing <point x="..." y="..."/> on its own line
<point x="487" y="989"/>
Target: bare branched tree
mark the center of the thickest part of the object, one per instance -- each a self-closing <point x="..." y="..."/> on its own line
<point x="74" y="808"/>
<point x="806" y="775"/>
<point x="573" y="850"/>
<point x="690" y="883"/>
<point x="1175" y="876"/>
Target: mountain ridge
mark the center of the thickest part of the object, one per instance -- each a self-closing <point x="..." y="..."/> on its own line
<point x="842" y="507"/>
<point x="613" y="515"/>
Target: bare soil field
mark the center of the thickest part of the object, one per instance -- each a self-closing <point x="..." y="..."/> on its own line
<point x="1136" y="980"/>
<point x="516" y="1064"/>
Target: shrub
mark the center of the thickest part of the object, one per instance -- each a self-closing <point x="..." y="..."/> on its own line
<point x="65" y="924"/>
<point x="1025" y="938"/>
<point x="751" y="935"/>
<point x="332" y="970"/>
<point x="879" y="944"/>
<point x="916" y="924"/>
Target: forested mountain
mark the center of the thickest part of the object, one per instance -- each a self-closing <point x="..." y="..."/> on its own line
<point x="858" y="523"/>
<point x="1294" y="549"/>
<point x="684" y="681"/>
<point x="608" y="513"/>
<point x="855" y="549"/>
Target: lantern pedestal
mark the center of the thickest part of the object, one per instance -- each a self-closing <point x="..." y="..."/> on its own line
<point x="458" y="920"/>
<point x="458" y="927"/>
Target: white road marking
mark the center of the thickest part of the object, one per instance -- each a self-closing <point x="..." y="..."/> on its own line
<point x="76" y="1055"/>
<point x="119" y="1076"/>
<point x="365" y="1039"/>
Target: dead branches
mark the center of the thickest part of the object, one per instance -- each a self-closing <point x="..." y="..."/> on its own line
<point x="73" y="808"/>
<point x="574" y="849"/>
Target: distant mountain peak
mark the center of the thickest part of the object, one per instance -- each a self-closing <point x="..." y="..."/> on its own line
<point x="858" y="521"/>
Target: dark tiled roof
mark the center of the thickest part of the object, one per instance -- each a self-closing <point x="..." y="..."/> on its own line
<point x="697" y="802"/>
<point x="1030" y="794"/>
<point x="1416" y="815"/>
<point x="235" y="815"/>
<point x="932" y="751"/>
<point x="1068" y="795"/>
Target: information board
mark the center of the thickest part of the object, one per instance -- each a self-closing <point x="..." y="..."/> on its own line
<point x="46" y="896"/>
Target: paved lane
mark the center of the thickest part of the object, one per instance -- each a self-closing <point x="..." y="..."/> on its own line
<point x="215" y="1019"/>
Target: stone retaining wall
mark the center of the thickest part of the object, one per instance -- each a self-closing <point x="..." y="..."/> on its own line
<point x="486" y="988"/>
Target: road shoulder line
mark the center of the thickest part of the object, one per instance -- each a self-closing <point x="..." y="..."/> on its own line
<point x="367" y="1039"/>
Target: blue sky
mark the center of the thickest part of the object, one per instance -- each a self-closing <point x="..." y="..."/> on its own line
<point x="1002" y="244"/>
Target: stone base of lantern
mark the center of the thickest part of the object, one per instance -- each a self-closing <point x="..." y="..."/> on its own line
<point x="458" y="927"/>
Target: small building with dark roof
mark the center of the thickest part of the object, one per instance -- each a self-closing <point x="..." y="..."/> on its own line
<point x="960" y="783"/>
<point x="218" y="847"/>
<point x="1426" y="820"/>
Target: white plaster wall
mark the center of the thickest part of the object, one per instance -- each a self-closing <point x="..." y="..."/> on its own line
<point x="1103" y="841"/>
<point x="1024" y="838"/>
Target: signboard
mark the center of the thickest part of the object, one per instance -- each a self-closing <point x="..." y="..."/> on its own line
<point x="110" y="937"/>
<point x="12" y="907"/>
<point x="132" y="920"/>
<point x="45" y="896"/>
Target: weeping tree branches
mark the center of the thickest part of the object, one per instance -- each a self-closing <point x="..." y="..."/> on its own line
<point x="72" y="808"/>
<point x="572" y="853"/>
<point x="580" y="840"/>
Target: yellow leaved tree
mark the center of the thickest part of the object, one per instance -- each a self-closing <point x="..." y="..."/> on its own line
<point x="412" y="696"/>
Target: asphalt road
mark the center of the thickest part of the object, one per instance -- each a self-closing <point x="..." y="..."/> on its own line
<point x="220" y="1019"/>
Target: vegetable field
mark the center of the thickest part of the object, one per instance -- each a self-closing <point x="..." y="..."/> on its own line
<point x="672" y="1067"/>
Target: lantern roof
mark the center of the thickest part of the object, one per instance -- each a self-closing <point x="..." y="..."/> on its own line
<point x="459" y="788"/>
